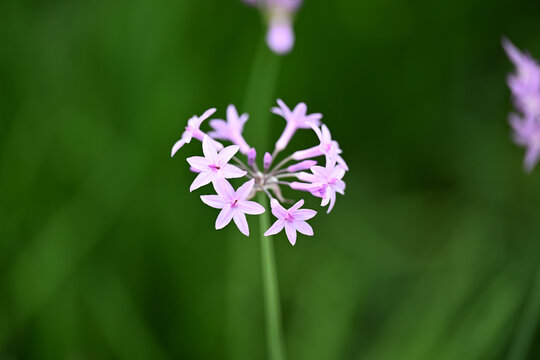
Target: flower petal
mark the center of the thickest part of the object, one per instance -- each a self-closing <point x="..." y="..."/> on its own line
<point x="243" y="191"/>
<point x="304" y="176"/>
<point x="250" y="207"/>
<point x="342" y="163"/>
<point x="226" y="154"/>
<point x="332" y="201"/>
<point x="206" y="114"/>
<point x="298" y="205"/>
<point x="225" y="217"/>
<point x="275" y="228"/>
<point x="241" y="222"/>
<point x="201" y="180"/>
<point x="224" y="189"/>
<point x="304" y="214"/>
<point x="209" y="148"/>
<point x="198" y="162"/>
<point x="319" y="172"/>
<point x="229" y="171"/>
<point x="303" y="186"/>
<point x="177" y="145"/>
<point x="278" y="210"/>
<point x="220" y="129"/>
<point x="327" y="137"/>
<point x="303" y="228"/>
<point x="318" y="132"/>
<point x="214" y="201"/>
<point x="340" y="187"/>
<point x="291" y="232"/>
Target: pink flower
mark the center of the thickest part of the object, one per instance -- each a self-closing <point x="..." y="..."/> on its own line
<point x="231" y="129"/>
<point x="525" y="82"/>
<point x="214" y="166"/>
<point x="280" y="14"/>
<point x="527" y="134"/>
<point x="280" y="37"/>
<point x="292" y="220"/>
<point x="296" y="119"/>
<point x="233" y="204"/>
<point x="326" y="147"/>
<point x="193" y="131"/>
<point x="324" y="182"/>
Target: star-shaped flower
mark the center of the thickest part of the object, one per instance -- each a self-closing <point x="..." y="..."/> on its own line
<point x="231" y="129"/>
<point x="324" y="182"/>
<point x="327" y="147"/>
<point x="193" y="131"/>
<point x="214" y="166"/>
<point x="292" y="220"/>
<point x="233" y="204"/>
<point x="296" y="119"/>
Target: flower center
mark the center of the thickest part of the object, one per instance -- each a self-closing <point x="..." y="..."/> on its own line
<point x="327" y="147"/>
<point x="214" y="167"/>
<point x="289" y="218"/>
<point x="234" y="203"/>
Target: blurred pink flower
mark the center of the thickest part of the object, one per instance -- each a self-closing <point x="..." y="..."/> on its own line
<point x="525" y="87"/>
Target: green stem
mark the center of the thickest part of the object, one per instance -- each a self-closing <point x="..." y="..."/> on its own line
<point x="527" y="323"/>
<point x="274" y="341"/>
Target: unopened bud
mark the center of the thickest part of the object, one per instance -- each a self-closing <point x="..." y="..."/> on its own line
<point x="304" y="165"/>
<point x="251" y="155"/>
<point x="267" y="161"/>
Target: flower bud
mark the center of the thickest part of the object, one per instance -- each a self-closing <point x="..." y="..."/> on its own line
<point x="267" y="161"/>
<point x="280" y="37"/>
<point x="251" y="155"/>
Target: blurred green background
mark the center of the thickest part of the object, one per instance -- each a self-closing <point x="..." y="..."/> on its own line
<point x="433" y="253"/>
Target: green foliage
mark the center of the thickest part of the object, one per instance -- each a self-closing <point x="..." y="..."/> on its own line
<point x="104" y="254"/>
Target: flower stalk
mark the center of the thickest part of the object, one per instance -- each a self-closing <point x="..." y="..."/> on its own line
<point x="274" y="339"/>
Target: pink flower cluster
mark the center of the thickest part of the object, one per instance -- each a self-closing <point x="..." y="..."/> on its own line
<point x="321" y="181"/>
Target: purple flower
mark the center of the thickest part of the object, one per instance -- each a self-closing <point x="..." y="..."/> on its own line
<point x="280" y="14"/>
<point x="280" y="37"/>
<point x="296" y="119"/>
<point x="292" y="220"/>
<point x="233" y="204"/>
<point x="231" y="129"/>
<point x="324" y="182"/>
<point x="326" y="147"/>
<point x="527" y="134"/>
<point x="525" y="82"/>
<point x="214" y="166"/>
<point x="525" y="87"/>
<point x="193" y="131"/>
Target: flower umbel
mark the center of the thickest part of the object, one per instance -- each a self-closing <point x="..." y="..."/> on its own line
<point x="524" y="85"/>
<point x="213" y="167"/>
